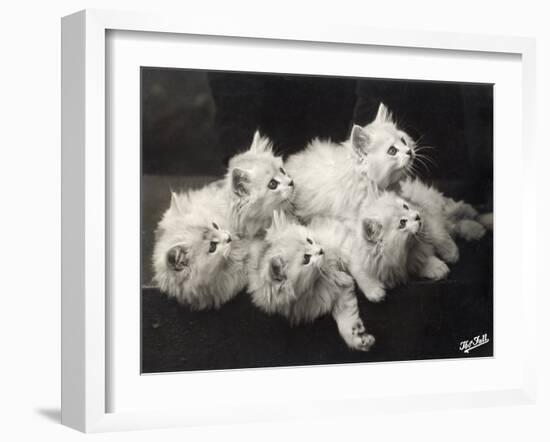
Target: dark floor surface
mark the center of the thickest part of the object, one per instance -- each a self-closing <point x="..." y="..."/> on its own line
<point x="422" y="320"/>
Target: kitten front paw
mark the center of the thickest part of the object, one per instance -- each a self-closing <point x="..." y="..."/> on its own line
<point x="449" y="252"/>
<point x="375" y="294"/>
<point x="360" y="339"/>
<point x="470" y="230"/>
<point x="434" y="269"/>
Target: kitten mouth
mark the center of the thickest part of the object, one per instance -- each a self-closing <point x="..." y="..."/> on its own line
<point x="290" y="193"/>
<point x="417" y="230"/>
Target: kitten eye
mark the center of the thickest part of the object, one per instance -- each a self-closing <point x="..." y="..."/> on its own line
<point x="273" y="184"/>
<point x="405" y="207"/>
<point x="309" y="240"/>
<point x="282" y="170"/>
<point x="307" y="258"/>
<point x="392" y="150"/>
<point x="213" y="246"/>
<point x="402" y="223"/>
<point x="215" y="226"/>
<point x="404" y="141"/>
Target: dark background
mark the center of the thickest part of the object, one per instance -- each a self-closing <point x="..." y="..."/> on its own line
<point x="193" y="121"/>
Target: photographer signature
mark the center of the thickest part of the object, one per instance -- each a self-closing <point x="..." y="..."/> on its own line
<point x="469" y="345"/>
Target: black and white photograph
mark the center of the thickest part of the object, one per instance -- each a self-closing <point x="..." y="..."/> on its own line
<point x="270" y="222"/>
<point x="300" y="220"/>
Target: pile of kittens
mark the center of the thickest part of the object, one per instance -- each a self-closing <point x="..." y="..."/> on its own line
<point x="300" y="235"/>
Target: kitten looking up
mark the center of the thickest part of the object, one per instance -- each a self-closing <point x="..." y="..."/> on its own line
<point x="449" y="218"/>
<point x="387" y="241"/>
<point x="333" y="179"/>
<point x="258" y="184"/>
<point x="300" y="276"/>
<point x="195" y="259"/>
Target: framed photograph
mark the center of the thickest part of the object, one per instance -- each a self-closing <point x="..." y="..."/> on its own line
<point x="274" y="222"/>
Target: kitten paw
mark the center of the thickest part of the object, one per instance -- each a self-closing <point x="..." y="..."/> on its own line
<point x="375" y="294"/>
<point x="360" y="339"/>
<point x="449" y="253"/>
<point x="434" y="269"/>
<point x="470" y="230"/>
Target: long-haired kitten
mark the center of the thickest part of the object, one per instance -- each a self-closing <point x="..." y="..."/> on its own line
<point x="258" y="184"/>
<point x="294" y="273"/>
<point x="388" y="241"/>
<point x="196" y="259"/>
<point x="448" y="217"/>
<point x="333" y="179"/>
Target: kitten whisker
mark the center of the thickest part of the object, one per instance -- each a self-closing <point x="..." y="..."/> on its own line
<point x="422" y="162"/>
<point x="424" y="147"/>
<point x="413" y="167"/>
<point x="426" y="157"/>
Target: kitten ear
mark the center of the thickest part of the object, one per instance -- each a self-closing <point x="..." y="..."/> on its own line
<point x="178" y="258"/>
<point x="240" y="182"/>
<point x="256" y="139"/>
<point x="383" y="115"/>
<point x="174" y="205"/>
<point x="372" y="229"/>
<point x="277" y="269"/>
<point x="360" y="140"/>
<point x="260" y="144"/>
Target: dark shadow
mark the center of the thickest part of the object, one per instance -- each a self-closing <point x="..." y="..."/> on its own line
<point x="51" y="414"/>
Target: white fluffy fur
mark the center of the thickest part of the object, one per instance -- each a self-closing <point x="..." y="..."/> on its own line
<point x="380" y="253"/>
<point x="333" y="179"/>
<point x="282" y="282"/>
<point x="449" y="217"/>
<point x="184" y="265"/>
<point x="251" y="201"/>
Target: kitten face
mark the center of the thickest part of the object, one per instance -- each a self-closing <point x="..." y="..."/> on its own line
<point x="263" y="180"/>
<point x="383" y="150"/>
<point x="193" y="251"/>
<point x="205" y="246"/>
<point x="390" y="220"/>
<point x="186" y="247"/>
<point x="259" y="182"/>
<point x="386" y="234"/>
<point x="291" y="261"/>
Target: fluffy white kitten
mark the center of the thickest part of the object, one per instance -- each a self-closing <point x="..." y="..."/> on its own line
<point x="448" y="217"/>
<point x="333" y="179"/>
<point x="387" y="241"/>
<point x="196" y="259"/>
<point x="258" y="184"/>
<point x="295" y="273"/>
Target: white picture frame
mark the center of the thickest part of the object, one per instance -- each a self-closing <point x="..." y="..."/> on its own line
<point x="86" y="200"/>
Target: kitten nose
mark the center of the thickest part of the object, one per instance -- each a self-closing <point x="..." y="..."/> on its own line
<point x="417" y="217"/>
<point x="291" y="184"/>
<point x="409" y="152"/>
<point x="321" y="252"/>
<point x="229" y="239"/>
